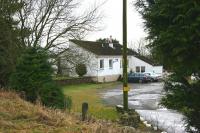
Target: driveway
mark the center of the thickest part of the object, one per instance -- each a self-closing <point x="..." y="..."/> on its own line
<point x="144" y="98"/>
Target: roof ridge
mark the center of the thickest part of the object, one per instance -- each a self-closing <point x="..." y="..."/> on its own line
<point x="93" y="41"/>
<point x="82" y="40"/>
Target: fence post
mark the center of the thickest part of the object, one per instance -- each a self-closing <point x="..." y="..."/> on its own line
<point x="84" y="110"/>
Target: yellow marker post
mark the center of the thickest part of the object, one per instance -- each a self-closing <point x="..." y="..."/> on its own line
<point x="126" y="88"/>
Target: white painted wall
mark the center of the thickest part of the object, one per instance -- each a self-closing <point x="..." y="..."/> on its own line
<point x="116" y="70"/>
<point x="148" y="67"/>
<point x="137" y="62"/>
<point x="89" y="58"/>
<point x="158" y="69"/>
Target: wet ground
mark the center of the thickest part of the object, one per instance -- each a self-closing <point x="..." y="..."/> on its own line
<point x="145" y="99"/>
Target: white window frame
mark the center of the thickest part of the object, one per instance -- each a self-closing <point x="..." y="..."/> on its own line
<point x="102" y="64"/>
<point x="110" y="63"/>
<point x="144" y="69"/>
<point x="136" y="69"/>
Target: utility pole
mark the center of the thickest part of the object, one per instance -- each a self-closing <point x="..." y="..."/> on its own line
<point x="125" y="75"/>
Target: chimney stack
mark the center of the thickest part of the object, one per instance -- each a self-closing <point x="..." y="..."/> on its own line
<point x="111" y="42"/>
<point x="110" y="39"/>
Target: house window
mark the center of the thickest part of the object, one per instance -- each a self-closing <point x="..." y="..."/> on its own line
<point x="102" y="64"/>
<point x="137" y="69"/>
<point x="110" y="63"/>
<point x="142" y="69"/>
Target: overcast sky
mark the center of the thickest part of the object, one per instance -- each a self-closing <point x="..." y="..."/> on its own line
<point x="112" y="11"/>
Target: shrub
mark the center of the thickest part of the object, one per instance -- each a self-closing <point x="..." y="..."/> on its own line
<point x="81" y="69"/>
<point x="51" y="95"/>
<point x="184" y="97"/>
<point x="33" y="73"/>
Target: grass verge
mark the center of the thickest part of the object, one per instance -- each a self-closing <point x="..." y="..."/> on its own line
<point x="19" y="116"/>
<point x="89" y="93"/>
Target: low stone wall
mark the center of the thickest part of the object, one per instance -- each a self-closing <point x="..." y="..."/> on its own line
<point x="108" y="78"/>
<point x="74" y="81"/>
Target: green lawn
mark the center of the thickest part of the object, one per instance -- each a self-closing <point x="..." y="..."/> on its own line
<point x="89" y="93"/>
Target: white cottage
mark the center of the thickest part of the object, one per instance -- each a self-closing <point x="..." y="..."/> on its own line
<point x="104" y="60"/>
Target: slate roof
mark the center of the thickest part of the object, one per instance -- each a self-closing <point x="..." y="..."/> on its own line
<point x="100" y="48"/>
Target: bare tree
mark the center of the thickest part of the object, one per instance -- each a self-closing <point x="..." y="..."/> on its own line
<point x="141" y="47"/>
<point x="51" y="22"/>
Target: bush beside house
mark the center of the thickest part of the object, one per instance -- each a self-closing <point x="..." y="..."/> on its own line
<point x="81" y="69"/>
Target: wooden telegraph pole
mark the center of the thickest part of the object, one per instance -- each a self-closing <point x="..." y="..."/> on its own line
<point x="125" y="75"/>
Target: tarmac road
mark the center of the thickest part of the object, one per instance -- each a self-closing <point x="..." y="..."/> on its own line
<point x="145" y="98"/>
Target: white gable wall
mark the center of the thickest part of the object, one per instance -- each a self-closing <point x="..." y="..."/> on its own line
<point x="90" y="59"/>
<point x="148" y="67"/>
<point x="137" y="62"/>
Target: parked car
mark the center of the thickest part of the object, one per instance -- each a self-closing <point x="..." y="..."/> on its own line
<point x="195" y="77"/>
<point x="138" y="77"/>
<point x="153" y="76"/>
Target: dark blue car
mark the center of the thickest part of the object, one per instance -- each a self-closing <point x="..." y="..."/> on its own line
<point x="138" y="78"/>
